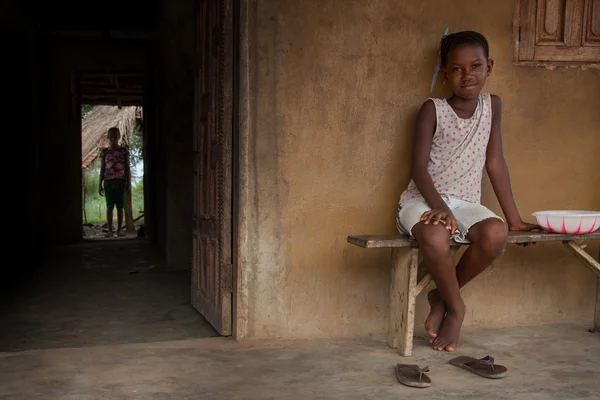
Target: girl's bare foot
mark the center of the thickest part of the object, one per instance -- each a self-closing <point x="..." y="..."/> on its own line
<point x="447" y="339"/>
<point x="436" y="315"/>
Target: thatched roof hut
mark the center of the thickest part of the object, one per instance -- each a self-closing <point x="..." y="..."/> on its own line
<point x="95" y="127"/>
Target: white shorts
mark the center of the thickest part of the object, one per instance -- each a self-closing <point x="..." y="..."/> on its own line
<point x="466" y="214"/>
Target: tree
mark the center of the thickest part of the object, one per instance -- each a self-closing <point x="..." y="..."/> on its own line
<point x="85" y="110"/>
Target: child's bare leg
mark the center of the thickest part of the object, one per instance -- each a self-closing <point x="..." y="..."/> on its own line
<point x="109" y="220"/>
<point x="434" y="242"/>
<point x="488" y="239"/>
<point x="119" y="220"/>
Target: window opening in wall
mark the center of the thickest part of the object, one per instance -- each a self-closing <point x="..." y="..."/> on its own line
<point x="557" y="33"/>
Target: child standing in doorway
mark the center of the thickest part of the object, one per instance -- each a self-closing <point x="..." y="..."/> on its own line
<point x="456" y="138"/>
<point x="115" y="175"/>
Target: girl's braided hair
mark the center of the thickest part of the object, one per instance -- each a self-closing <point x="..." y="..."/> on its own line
<point x="454" y="40"/>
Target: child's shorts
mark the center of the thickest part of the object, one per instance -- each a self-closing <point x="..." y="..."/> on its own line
<point x="466" y="214"/>
<point x="114" y="191"/>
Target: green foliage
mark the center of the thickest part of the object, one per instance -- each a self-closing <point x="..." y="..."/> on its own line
<point x="85" y="110"/>
<point x="95" y="205"/>
<point x="91" y="176"/>
<point x="136" y="146"/>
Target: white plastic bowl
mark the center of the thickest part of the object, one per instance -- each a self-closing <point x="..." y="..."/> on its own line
<point x="574" y="222"/>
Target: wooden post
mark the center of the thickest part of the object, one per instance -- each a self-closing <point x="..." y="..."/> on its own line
<point x="84" y="196"/>
<point x="130" y="227"/>
<point x="403" y="301"/>
<point x="597" y="311"/>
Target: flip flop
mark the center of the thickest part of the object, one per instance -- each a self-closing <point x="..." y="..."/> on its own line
<point x="483" y="367"/>
<point x="413" y="376"/>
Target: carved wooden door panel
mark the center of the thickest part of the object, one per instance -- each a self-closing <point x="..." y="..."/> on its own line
<point x="558" y="30"/>
<point x="212" y="244"/>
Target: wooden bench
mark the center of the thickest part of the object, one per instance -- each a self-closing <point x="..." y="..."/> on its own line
<point x="409" y="278"/>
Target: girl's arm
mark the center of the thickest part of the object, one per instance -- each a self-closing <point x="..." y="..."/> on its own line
<point x="498" y="173"/>
<point x="426" y="124"/>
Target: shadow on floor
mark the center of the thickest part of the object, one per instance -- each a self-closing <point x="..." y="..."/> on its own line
<point x="100" y="293"/>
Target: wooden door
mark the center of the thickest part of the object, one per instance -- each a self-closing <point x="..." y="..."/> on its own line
<point x="212" y="226"/>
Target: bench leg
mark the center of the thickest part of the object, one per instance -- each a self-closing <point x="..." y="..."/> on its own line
<point x="403" y="301"/>
<point x="593" y="266"/>
<point x="597" y="312"/>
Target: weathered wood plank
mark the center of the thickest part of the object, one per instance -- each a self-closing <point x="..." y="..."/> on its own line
<point x="388" y="241"/>
<point x="372" y="241"/>
<point x="403" y="301"/>
<point x="398" y="267"/>
<point x="597" y="312"/>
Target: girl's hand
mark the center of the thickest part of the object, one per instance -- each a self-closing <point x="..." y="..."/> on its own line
<point x="440" y="216"/>
<point x="101" y="191"/>
<point x="524" y="227"/>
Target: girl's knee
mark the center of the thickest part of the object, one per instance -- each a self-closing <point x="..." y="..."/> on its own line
<point x="432" y="237"/>
<point x="491" y="235"/>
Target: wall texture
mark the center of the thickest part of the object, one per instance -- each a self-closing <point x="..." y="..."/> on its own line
<point x="335" y="86"/>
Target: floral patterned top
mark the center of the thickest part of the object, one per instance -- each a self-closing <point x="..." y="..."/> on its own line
<point x="115" y="162"/>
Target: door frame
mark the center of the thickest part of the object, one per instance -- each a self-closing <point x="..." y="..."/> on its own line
<point x="242" y="130"/>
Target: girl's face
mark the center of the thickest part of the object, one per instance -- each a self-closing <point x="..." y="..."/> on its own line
<point x="113" y="138"/>
<point x="466" y="70"/>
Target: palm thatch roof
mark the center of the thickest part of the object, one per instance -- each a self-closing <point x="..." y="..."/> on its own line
<point x="96" y="125"/>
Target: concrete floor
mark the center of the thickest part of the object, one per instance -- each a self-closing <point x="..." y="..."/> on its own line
<point x="546" y="362"/>
<point x="101" y="321"/>
<point x="100" y="293"/>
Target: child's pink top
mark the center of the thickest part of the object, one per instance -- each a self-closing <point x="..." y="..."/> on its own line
<point x="458" y="151"/>
<point x="115" y="162"/>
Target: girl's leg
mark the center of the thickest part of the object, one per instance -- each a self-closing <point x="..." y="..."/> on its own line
<point x="119" y="220"/>
<point x="109" y="220"/>
<point x="120" y="206"/>
<point x="488" y="239"/>
<point x="434" y="242"/>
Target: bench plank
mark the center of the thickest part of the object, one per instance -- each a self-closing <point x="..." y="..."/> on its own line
<point x="389" y="241"/>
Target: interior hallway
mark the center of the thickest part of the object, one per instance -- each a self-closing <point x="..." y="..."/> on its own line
<point x="100" y="293"/>
<point x="545" y="362"/>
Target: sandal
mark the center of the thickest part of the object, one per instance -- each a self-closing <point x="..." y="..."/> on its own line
<point x="413" y="376"/>
<point x="483" y="367"/>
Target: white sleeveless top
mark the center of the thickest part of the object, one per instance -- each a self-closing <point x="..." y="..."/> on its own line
<point x="458" y="151"/>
